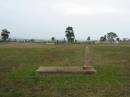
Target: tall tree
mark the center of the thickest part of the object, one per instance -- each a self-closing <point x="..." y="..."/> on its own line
<point x="5" y="34"/>
<point x="111" y="36"/>
<point x="70" y="34"/>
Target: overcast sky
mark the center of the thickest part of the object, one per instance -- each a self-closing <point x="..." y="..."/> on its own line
<point x="46" y="18"/>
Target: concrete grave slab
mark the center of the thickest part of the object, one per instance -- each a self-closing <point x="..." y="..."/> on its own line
<point x="65" y="69"/>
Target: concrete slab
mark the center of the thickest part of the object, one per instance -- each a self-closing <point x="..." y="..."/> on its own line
<point x="65" y="69"/>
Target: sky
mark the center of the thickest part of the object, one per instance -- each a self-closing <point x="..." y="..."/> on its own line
<point x="43" y="19"/>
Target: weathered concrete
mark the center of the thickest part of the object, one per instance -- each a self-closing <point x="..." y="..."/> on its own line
<point x="65" y="69"/>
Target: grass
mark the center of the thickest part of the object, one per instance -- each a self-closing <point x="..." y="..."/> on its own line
<point x="19" y="79"/>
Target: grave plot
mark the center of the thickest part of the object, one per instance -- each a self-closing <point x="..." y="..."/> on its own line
<point x="86" y="68"/>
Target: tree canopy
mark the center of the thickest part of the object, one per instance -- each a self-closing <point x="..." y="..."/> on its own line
<point x="88" y="38"/>
<point x="53" y="39"/>
<point x="103" y="38"/>
<point x="111" y="36"/>
<point x="69" y="33"/>
<point x="5" y="34"/>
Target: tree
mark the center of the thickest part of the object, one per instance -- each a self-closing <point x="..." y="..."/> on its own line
<point x="32" y="40"/>
<point x="88" y="39"/>
<point x="111" y="36"/>
<point x="103" y="38"/>
<point x="118" y="39"/>
<point x="5" y="34"/>
<point x="53" y="39"/>
<point x="70" y="34"/>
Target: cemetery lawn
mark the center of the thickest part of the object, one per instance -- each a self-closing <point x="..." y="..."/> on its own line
<point x="18" y="78"/>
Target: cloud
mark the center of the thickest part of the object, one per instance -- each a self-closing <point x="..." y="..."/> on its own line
<point x="87" y="8"/>
<point x="42" y="8"/>
<point x="39" y="18"/>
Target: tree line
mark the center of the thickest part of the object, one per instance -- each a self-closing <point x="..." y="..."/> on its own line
<point x="70" y="36"/>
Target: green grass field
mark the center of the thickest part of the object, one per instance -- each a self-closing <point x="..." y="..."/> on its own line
<point x="19" y="79"/>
